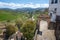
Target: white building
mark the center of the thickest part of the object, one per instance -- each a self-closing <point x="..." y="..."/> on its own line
<point x="49" y="29"/>
<point x="54" y="9"/>
<point x="54" y="12"/>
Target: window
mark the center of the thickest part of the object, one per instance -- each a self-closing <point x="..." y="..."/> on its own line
<point x="56" y="1"/>
<point x="50" y="14"/>
<point x="52" y="1"/>
<point x="55" y="10"/>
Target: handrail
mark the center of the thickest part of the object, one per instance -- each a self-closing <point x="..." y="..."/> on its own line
<point x="35" y="38"/>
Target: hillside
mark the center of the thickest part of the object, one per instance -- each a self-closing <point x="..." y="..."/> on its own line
<point x="23" y="13"/>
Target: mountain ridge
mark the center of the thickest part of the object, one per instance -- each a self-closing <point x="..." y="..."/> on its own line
<point x="24" y="9"/>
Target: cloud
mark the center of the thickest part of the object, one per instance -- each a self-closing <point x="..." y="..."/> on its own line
<point x="17" y="5"/>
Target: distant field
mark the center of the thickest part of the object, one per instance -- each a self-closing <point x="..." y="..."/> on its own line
<point x="13" y="15"/>
<point x="10" y="15"/>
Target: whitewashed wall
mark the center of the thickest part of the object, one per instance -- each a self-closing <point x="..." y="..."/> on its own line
<point x="53" y="6"/>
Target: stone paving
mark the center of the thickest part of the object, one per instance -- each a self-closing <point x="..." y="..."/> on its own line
<point x="46" y="33"/>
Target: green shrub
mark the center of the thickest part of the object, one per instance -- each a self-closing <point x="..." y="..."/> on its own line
<point x="28" y="29"/>
<point x="10" y="29"/>
<point x="19" y="23"/>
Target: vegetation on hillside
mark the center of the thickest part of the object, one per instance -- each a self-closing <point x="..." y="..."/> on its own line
<point x="10" y="30"/>
<point x="28" y="29"/>
<point x="24" y="15"/>
<point x="22" y="21"/>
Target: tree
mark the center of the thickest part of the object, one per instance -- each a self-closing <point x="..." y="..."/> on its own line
<point x="28" y="29"/>
<point x="10" y="29"/>
<point x="19" y="23"/>
<point x="46" y="11"/>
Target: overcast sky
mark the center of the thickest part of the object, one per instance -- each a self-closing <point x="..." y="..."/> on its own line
<point x="24" y="3"/>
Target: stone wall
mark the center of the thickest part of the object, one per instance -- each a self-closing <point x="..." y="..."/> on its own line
<point x="46" y="32"/>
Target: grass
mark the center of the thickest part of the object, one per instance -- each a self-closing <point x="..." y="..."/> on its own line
<point x="12" y="15"/>
<point x="7" y="17"/>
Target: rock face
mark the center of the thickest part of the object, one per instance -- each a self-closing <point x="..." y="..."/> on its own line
<point x="45" y="33"/>
<point x="2" y="28"/>
<point x="57" y="29"/>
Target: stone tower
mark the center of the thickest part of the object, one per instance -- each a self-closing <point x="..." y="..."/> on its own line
<point x="54" y="13"/>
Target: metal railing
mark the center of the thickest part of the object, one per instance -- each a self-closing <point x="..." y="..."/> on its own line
<point x="35" y="37"/>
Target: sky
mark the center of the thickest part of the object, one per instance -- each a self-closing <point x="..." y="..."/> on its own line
<point x="24" y="3"/>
